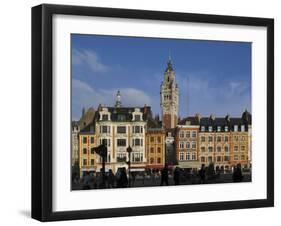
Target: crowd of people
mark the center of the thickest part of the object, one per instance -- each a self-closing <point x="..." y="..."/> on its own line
<point x="163" y="177"/>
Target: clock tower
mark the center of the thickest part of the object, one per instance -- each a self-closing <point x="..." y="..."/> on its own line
<point x="169" y="98"/>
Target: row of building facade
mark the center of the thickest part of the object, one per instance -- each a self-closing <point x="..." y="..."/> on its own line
<point x="187" y="143"/>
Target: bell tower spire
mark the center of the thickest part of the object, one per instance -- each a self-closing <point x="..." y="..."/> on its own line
<point x="118" y="99"/>
<point x="169" y="97"/>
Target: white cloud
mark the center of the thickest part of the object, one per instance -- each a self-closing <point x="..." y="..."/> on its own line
<point x="199" y="93"/>
<point x="83" y="95"/>
<point x="89" y="59"/>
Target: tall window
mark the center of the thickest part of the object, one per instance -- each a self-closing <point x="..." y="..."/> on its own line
<point x="121" y="129"/>
<point x="92" y="140"/>
<point x="181" y="145"/>
<point x="203" y="149"/>
<point x="158" y="150"/>
<point x="218" y="128"/>
<point x="193" y="156"/>
<point x="137" y="129"/>
<point x="210" y="128"/>
<point x="194" y="134"/>
<point x="210" y="149"/>
<point x="121" y="142"/>
<point x="226" y="158"/>
<point x="202" y="159"/>
<point x="203" y="128"/>
<point x="121" y="157"/>
<point x="159" y="139"/>
<point x="226" y="138"/>
<point x="151" y="160"/>
<point x="181" y="156"/>
<point x="137" y="142"/>
<point x="219" y="139"/>
<point x="235" y="157"/>
<point x="203" y="139"/>
<point x="158" y="160"/>
<point x="92" y="162"/>
<point x="235" y="148"/>
<point x="151" y="139"/>
<point x="187" y="145"/>
<point x="218" y="158"/>
<point x="243" y="148"/>
<point x="151" y="150"/>
<point x="84" y="140"/>
<point x="235" y="128"/>
<point x="210" y="159"/>
<point x="210" y="139"/>
<point x="226" y="149"/>
<point x="181" y="134"/>
<point x="218" y="149"/>
<point x="193" y="145"/>
<point x="84" y="151"/>
<point x="105" y="129"/>
<point x="226" y="128"/>
<point x="84" y="162"/>
<point x="187" y="134"/>
<point x="187" y="156"/>
<point x="242" y="128"/>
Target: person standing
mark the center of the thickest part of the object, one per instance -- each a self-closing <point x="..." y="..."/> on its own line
<point x="177" y="176"/>
<point x="202" y="174"/>
<point x="111" y="179"/>
<point x="237" y="174"/>
<point x="165" y="175"/>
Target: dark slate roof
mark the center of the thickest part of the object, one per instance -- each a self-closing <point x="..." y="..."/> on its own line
<point x="125" y="113"/>
<point x="189" y="121"/>
<point x="90" y="128"/>
<point x="246" y="120"/>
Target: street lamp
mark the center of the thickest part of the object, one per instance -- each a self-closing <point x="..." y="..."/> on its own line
<point x="129" y="150"/>
<point x="102" y="152"/>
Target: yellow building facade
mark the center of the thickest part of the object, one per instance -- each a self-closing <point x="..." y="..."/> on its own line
<point x="155" y="148"/>
<point x="239" y="152"/>
<point x="87" y="156"/>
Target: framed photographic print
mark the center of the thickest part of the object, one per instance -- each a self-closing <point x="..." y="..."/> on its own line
<point x="146" y="112"/>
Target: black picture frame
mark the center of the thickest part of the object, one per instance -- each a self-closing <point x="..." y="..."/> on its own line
<point x="42" y="111"/>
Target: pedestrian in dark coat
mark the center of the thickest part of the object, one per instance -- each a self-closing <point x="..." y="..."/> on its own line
<point x="237" y="174"/>
<point x="165" y="175"/>
<point x="202" y="174"/>
<point x="177" y="176"/>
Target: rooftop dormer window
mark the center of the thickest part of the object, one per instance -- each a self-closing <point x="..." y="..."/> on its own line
<point x="137" y="117"/>
<point x="226" y="128"/>
<point x="210" y="129"/>
<point x="203" y="128"/>
<point x="104" y="117"/>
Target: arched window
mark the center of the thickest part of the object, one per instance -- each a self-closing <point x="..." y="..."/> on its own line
<point x="151" y="160"/>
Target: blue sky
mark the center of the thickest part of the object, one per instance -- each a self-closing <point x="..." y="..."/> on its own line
<point x="213" y="77"/>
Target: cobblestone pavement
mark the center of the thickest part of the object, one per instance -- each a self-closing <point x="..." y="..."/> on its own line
<point x="149" y="182"/>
